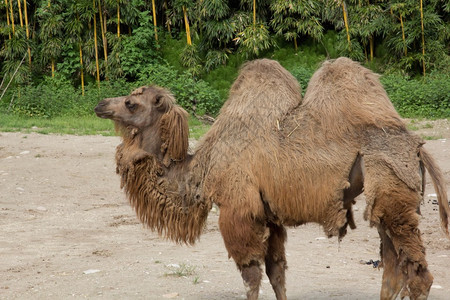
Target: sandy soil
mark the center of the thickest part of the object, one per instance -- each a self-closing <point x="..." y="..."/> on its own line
<point x="67" y="231"/>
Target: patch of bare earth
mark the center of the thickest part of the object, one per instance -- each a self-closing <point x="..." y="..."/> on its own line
<point x="67" y="231"/>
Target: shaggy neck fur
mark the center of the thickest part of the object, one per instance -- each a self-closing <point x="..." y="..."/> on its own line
<point x="153" y="171"/>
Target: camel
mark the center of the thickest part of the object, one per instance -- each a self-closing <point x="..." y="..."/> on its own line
<point x="273" y="159"/>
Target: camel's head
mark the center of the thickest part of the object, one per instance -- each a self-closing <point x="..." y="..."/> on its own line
<point x="141" y="109"/>
<point x="150" y="109"/>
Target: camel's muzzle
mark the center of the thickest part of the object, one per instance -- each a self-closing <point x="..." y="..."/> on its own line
<point x="102" y="111"/>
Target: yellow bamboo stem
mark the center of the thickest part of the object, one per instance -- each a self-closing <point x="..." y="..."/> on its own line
<point x="96" y="47"/>
<point x="295" y="43"/>
<point x="20" y="13"/>
<point x="53" y="67"/>
<point x="81" y="71"/>
<point x="105" y="42"/>
<point x="12" y="16"/>
<point x="254" y="13"/>
<point x="27" y="30"/>
<point x="7" y="17"/>
<point x="154" y="19"/>
<point x="403" y="35"/>
<point x="118" y="19"/>
<point x="423" y="37"/>
<point x="344" y="10"/>
<point x="371" y="47"/>
<point x="186" y="22"/>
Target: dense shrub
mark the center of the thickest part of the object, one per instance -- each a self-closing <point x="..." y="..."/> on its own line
<point x="195" y="96"/>
<point x="429" y="97"/>
<point x="52" y="97"/>
<point x="57" y="97"/>
<point x="303" y="76"/>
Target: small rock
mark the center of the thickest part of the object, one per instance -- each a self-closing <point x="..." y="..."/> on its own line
<point x="24" y="152"/>
<point x="432" y="195"/>
<point x="20" y="189"/>
<point x="170" y="296"/>
<point x="91" y="271"/>
<point x="320" y="238"/>
<point x="41" y="208"/>
<point x="436" y="286"/>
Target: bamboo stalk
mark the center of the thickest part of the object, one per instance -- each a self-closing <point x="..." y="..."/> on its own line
<point x="167" y="19"/>
<point x="403" y="35"/>
<point x="48" y="3"/>
<point x="371" y="47"/>
<point x="7" y="17"/>
<point x="105" y="42"/>
<point x="344" y="10"/>
<point x="423" y="37"/>
<point x="27" y="30"/>
<point x="81" y="71"/>
<point x="154" y="19"/>
<point x="188" y="31"/>
<point x="96" y="46"/>
<point x="20" y="12"/>
<point x="118" y="19"/>
<point x="14" y="75"/>
<point x="53" y="67"/>
<point x="295" y="43"/>
<point x="12" y="16"/>
<point x="254" y="14"/>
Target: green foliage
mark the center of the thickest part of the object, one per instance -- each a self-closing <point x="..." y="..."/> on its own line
<point x="419" y="98"/>
<point x="254" y="40"/>
<point x="56" y="96"/>
<point x="139" y="49"/>
<point x="195" y="96"/>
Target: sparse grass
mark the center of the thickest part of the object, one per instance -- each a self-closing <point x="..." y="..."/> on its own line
<point x="89" y="125"/>
<point x="196" y="128"/>
<point x="181" y="270"/>
<point x="412" y="127"/>
<point x="431" y="137"/>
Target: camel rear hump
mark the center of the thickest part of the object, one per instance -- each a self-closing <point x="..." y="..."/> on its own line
<point x="350" y="96"/>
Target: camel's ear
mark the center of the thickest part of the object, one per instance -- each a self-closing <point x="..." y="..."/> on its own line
<point x="174" y="135"/>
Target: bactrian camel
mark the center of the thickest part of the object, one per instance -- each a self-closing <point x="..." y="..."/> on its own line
<point x="272" y="160"/>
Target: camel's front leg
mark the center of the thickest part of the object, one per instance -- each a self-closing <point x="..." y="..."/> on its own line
<point x="246" y="242"/>
<point x="276" y="260"/>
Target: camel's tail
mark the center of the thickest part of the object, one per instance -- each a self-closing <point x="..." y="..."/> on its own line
<point x="439" y="185"/>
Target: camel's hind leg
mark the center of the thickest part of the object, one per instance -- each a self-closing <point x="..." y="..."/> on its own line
<point x="403" y="253"/>
<point x="276" y="260"/>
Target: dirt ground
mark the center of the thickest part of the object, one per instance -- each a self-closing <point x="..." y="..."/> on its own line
<point x="67" y="231"/>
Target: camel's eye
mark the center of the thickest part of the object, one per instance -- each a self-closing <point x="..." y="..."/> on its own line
<point x="131" y="106"/>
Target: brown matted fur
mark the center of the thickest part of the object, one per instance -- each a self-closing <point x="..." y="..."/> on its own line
<point x="272" y="160"/>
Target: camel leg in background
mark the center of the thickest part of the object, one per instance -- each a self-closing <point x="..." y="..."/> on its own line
<point x="402" y="248"/>
<point x="246" y="241"/>
<point x="393" y="278"/>
<point x="276" y="260"/>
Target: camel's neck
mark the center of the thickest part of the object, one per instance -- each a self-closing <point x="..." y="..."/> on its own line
<point x="164" y="196"/>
